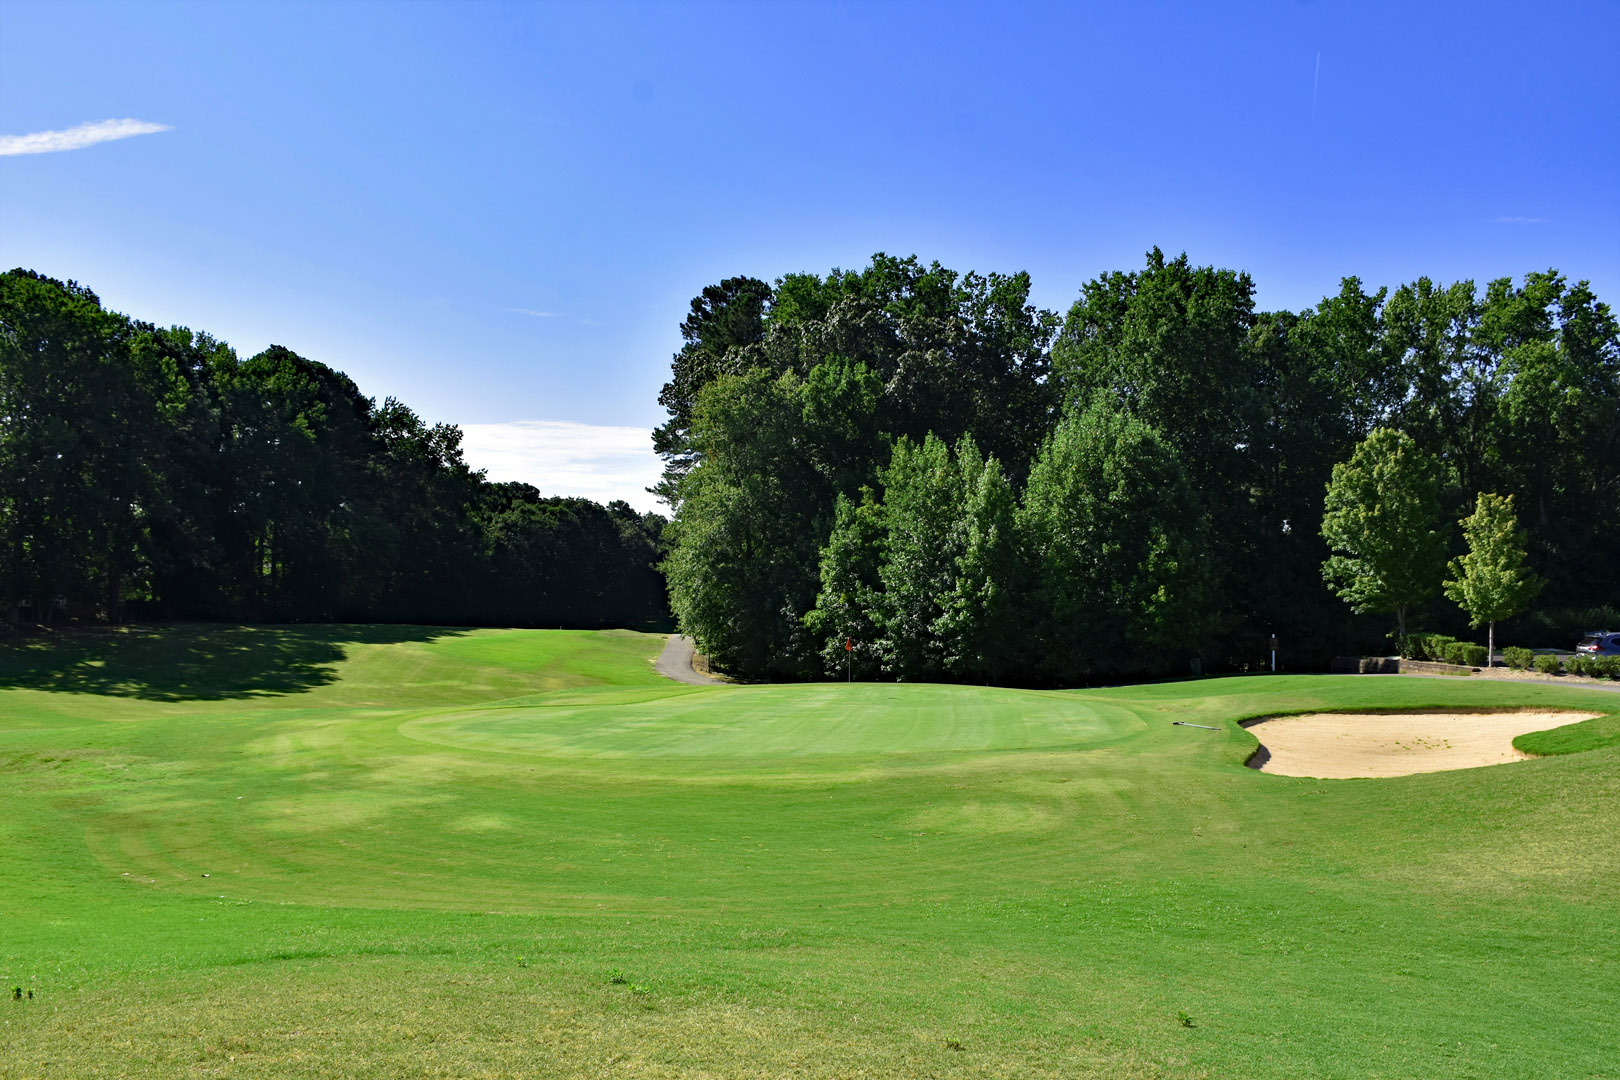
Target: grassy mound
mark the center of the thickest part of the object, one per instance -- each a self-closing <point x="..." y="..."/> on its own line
<point x="389" y="851"/>
<point x="1595" y="734"/>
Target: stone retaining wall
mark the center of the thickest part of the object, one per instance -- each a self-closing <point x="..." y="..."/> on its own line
<point x="1364" y="665"/>
<point x="1429" y="667"/>
<point x="1389" y="665"/>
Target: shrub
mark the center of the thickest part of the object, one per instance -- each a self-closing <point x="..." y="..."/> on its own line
<point x="1578" y="665"/>
<point x="1517" y="658"/>
<point x="1431" y="646"/>
<point x="1464" y="652"/>
<point x="1605" y="666"/>
<point x="1426" y="646"/>
<point x="1548" y="665"/>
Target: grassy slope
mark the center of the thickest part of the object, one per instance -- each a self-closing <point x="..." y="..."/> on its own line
<point x="426" y="849"/>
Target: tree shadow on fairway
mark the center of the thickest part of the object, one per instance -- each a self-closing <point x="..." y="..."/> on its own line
<point x="193" y="662"/>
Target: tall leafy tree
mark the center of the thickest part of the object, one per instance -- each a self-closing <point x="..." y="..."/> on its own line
<point x="1171" y="343"/>
<point x="955" y="354"/>
<point x="979" y="628"/>
<point x="1560" y="445"/>
<point x="843" y="439"/>
<point x="723" y="319"/>
<point x="1491" y="581"/>
<point x="300" y="438"/>
<point x="923" y="537"/>
<point x="1350" y="356"/>
<point x="773" y="453"/>
<point x="1119" y="547"/>
<point x="844" y="624"/>
<point x="80" y="420"/>
<point x="1381" y="519"/>
<point x="185" y="544"/>
<point x="1303" y="426"/>
<point x="752" y="516"/>
<point x="420" y="533"/>
<point x="1454" y="387"/>
<point x="924" y="582"/>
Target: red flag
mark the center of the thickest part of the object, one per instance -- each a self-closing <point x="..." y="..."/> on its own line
<point x="847" y="646"/>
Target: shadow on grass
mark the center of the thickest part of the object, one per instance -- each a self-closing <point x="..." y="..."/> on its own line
<point x="194" y="662"/>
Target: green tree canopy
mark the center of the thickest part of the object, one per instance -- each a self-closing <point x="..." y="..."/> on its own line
<point x="1381" y="519"/>
<point x="843" y="624"/>
<point x="723" y="318"/>
<point x="1491" y="582"/>
<point x="1118" y="543"/>
<point x="79" y="418"/>
<point x="922" y="504"/>
<point x="753" y="513"/>
<point x="980" y="629"/>
<point x="153" y="469"/>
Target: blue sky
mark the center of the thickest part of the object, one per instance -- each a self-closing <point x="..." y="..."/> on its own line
<point x="498" y="213"/>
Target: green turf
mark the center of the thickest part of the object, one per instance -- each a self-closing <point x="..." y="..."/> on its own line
<point x="426" y="850"/>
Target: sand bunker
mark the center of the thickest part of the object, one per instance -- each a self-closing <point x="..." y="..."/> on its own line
<point x="1341" y="745"/>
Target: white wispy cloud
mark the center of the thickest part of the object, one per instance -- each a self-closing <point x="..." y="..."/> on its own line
<point x="76" y="138"/>
<point x="561" y="457"/>
<point x="536" y="314"/>
<point x="1522" y="220"/>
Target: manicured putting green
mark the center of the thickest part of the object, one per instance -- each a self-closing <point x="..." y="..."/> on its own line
<point x="754" y="722"/>
<point x="404" y="851"/>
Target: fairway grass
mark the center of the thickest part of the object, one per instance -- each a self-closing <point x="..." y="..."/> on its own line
<point x="399" y="851"/>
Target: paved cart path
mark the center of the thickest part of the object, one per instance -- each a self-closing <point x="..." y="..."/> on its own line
<point x="675" y="662"/>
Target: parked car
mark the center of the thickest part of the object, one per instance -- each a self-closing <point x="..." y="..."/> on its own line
<point x="1600" y="643"/>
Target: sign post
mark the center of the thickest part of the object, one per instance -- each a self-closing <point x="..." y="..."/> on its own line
<point x="849" y="662"/>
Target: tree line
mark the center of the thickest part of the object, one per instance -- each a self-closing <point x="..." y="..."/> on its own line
<point x="906" y="472"/>
<point x="154" y="472"/>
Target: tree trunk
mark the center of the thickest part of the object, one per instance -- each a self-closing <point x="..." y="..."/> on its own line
<point x="1400" y="623"/>
<point x="1490" y="645"/>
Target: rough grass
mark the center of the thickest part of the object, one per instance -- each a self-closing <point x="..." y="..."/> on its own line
<point x="1573" y="738"/>
<point x="426" y="851"/>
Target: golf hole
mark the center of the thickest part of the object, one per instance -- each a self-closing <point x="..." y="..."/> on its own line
<point x="1334" y="746"/>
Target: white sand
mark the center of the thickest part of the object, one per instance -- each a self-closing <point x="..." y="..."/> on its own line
<point x="1341" y="745"/>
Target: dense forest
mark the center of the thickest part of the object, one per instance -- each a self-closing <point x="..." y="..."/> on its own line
<point x="897" y="472"/>
<point x="906" y="472"/>
<point x="153" y="473"/>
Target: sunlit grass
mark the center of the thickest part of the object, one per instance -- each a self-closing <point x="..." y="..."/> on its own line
<point x="426" y="850"/>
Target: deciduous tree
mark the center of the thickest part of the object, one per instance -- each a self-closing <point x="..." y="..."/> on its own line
<point x="1118" y="543"/>
<point x="1381" y="520"/>
<point x="1491" y="582"/>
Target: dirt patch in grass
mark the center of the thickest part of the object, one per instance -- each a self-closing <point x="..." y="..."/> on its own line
<point x="1344" y="745"/>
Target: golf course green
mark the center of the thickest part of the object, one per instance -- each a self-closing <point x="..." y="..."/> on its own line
<point x="383" y="851"/>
